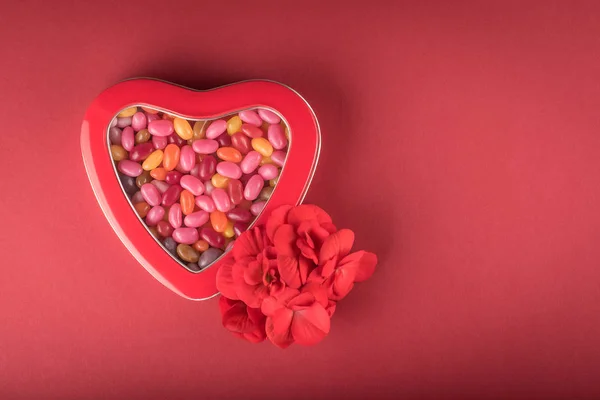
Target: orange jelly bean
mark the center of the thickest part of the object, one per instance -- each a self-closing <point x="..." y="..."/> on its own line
<point x="263" y="146"/>
<point x="218" y="220"/>
<point x="219" y="181"/>
<point x="183" y="128"/>
<point x="171" y="157"/>
<point x="200" y="245"/>
<point x="266" y="160"/>
<point x="199" y="131"/>
<point x="142" y="209"/>
<point x="186" y="199"/>
<point x="229" y="154"/>
<point x="159" y="173"/>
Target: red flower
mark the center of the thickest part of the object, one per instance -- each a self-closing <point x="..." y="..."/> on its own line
<point x="243" y="321"/>
<point x="297" y="233"/>
<point x="338" y="270"/>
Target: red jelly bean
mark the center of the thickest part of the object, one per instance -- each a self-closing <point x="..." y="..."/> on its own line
<point x="252" y="131"/>
<point x="208" y="166"/>
<point x="241" y="142"/>
<point x="239" y="215"/>
<point x="141" y="151"/>
<point x="173" y="177"/>
<point x="239" y="228"/>
<point x="171" y="195"/>
<point x="212" y="237"/>
<point x="224" y="140"/>
<point x="235" y="189"/>
<point x="164" y="229"/>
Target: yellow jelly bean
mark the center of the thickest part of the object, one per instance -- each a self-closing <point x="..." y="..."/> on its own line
<point x="153" y="160"/>
<point x="234" y="124"/>
<point x="219" y="181"/>
<point x="266" y="160"/>
<point x="229" y="232"/>
<point x="183" y="128"/>
<point x="199" y="131"/>
<point x="128" y="112"/>
<point x="263" y="146"/>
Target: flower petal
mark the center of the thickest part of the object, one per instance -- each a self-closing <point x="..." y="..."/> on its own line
<point x="278" y="328"/>
<point x="305" y="267"/>
<point x="256" y="336"/>
<point x="311" y="325"/>
<point x="331" y="308"/>
<point x="284" y="239"/>
<point x="363" y="263"/>
<point x="246" y="244"/>
<point x="276" y="219"/>
<point x="303" y="300"/>
<point x="307" y="250"/>
<point x="288" y="271"/>
<point x="253" y="296"/>
<point x="236" y="319"/>
<point x="343" y="282"/>
<point x="306" y="212"/>
<point x="337" y="244"/>
<point x="225" y="283"/>
<point x="318" y="291"/>
<point x="253" y="274"/>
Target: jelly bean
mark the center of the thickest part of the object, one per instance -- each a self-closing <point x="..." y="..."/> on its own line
<point x="265" y="193"/>
<point x="160" y="185"/>
<point x="268" y="116"/>
<point x="141" y="152"/>
<point x="142" y="209"/>
<point x="228" y="232"/>
<point x="170" y="244"/>
<point x="150" y="110"/>
<point x="219" y="181"/>
<point x="175" y="216"/>
<point x="168" y="117"/>
<point x="153" y="160"/>
<point x="128" y="138"/>
<point x="250" y="117"/>
<point x="273" y="182"/>
<point x="239" y="215"/>
<point x="187" y="201"/>
<point x="175" y="139"/>
<point x="250" y="162"/>
<point x="278" y="158"/>
<point x="128" y="112"/>
<point x="143" y="179"/>
<point x="171" y="195"/>
<point x="229" y="170"/>
<point x="235" y="190"/>
<point x="229" y="154"/>
<point x="234" y="124"/>
<point x="252" y="131"/>
<point x="209" y="257"/>
<point x="215" y="129"/>
<point x="173" y="177"/>
<point x="221" y="199"/>
<point x="253" y="187"/>
<point x="241" y="142"/>
<point x="151" y="194"/>
<point x="268" y="171"/>
<point x="277" y="137"/>
<point x="171" y="157"/>
<point x="205" y="146"/>
<point x="159" y="173"/>
<point x="117" y="152"/>
<point x="195" y="172"/>
<point x="142" y="136"/>
<point x="114" y="135"/>
<point x="224" y="140"/>
<point x="185" y="235"/>
<point x="187" y="253"/>
<point x="187" y="158"/>
<point x="208" y="166"/>
<point x="194" y="185"/>
<point x="205" y="203"/>
<point x="183" y="128"/>
<point x="213" y="238"/>
<point x="113" y="123"/>
<point x="129" y="168"/>
<point x="218" y="220"/>
<point x="159" y="142"/>
<point x="199" y="132"/>
<point x="164" y="229"/>
<point x="128" y="183"/>
<point x="263" y="146"/>
<point x="245" y="204"/>
<point x="239" y="228"/>
<point x="137" y="197"/>
<point x="151" y="117"/>
<point x="208" y="187"/>
<point x="139" y="121"/>
<point x="161" y="127"/>
<point x="193" y="267"/>
<point x="166" y="217"/>
<point x="266" y="160"/>
<point x="200" y="245"/>
<point x="257" y="207"/>
<point x="155" y="214"/>
<point x="123" y="122"/>
<point x="196" y="219"/>
<point x="245" y="178"/>
<point x="153" y="231"/>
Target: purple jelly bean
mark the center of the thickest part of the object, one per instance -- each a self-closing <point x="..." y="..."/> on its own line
<point x="114" y="135"/>
<point x="239" y="215"/>
<point x="205" y="203"/>
<point x="128" y="138"/>
<point x="170" y="244"/>
<point x="216" y="129"/>
<point x="193" y="184"/>
<point x="186" y="235"/>
<point x="208" y="257"/>
<point x="161" y="127"/>
<point x="221" y="199"/>
<point x="253" y="187"/>
<point x="208" y="166"/>
<point x="196" y="219"/>
<point x="213" y="238"/>
<point x="171" y="195"/>
<point x="205" y="146"/>
<point x="155" y="215"/>
<point x="138" y="121"/>
<point x="175" y="216"/>
<point x="137" y="197"/>
<point x="130" y="168"/>
<point x="268" y="172"/>
<point x="159" y="142"/>
<point x="229" y="170"/>
<point x="129" y="185"/>
<point x="141" y="151"/>
<point x="250" y="117"/>
<point x="151" y="194"/>
<point x="123" y="122"/>
<point x="278" y="157"/>
<point x="257" y="207"/>
<point x="268" y="116"/>
<point x="276" y="136"/>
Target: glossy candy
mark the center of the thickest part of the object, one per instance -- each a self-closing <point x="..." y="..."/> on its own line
<point x="221" y="199"/>
<point x="216" y="128"/>
<point x="185" y="235"/>
<point x="128" y="138"/>
<point x="142" y="208"/>
<point x="187" y="158"/>
<point x="123" y="122"/>
<point x="139" y="121"/>
<point x="250" y="117"/>
<point x="224" y="140"/>
<point x="164" y="229"/>
<point x="142" y="136"/>
<point x="173" y="177"/>
<point x="252" y="131"/>
<point x="171" y="195"/>
<point x="187" y="253"/>
<point x="198" y="129"/>
<point x="212" y="237"/>
<point x="129" y="168"/>
<point x="263" y="146"/>
<point x="175" y="216"/>
<point x="151" y="194"/>
<point x="170" y="244"/>
<point x="208" y="166"/>
<point x="218" y="220"/>
<point x="229" y="154"/>
<point x="161" y="127"/>
<point x="155" y="215"/>
<point x="196" y="219"/>
<point x="114" y="135"/>
<point x="268" y="172"/>
<point x="183" y="128"/>
<point x="117" y="152"/>
<point x="278" y="158"/>
<point x="208" y="257"/>
<point x="257" y="207"/>
<point x="219" y="181"/>
<point x="253" y="187"/>
<point x="241" y="142"/>
<point x="153" y="160"/>
<point x="161" y="186"/>
<point x="141" y="152"/>
<point x="206" y="203"/>
<point x="159" y="173"/>
<point x="187" y="202"/>
<point x="194" y="185"/>
<point x="159" y="142"/>
<point x="229" y="170"/>
<point x="250" y="162"/>
<point x="128" y="112"/>
<point x="143" y="179"/>
<point x="171" y="157"/>
<point x="234" y="125"/>
<point x="205" y="146"/>
<point x="235" y="190"/>
<point x="277" y="137"/>
<point x="200" y="245"/>
<point x="268" y="116"/>
<point x="239" y="215"/>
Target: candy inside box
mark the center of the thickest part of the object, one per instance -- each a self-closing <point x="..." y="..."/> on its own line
<point x="180" y="173"/>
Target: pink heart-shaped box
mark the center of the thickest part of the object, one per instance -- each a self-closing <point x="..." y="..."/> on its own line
<point x="293" y="183"/>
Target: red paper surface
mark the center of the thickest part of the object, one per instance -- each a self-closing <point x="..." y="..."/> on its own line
<point x="460" y="142"/>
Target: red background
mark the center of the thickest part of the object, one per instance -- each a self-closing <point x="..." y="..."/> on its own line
<point x="460" y="141"/>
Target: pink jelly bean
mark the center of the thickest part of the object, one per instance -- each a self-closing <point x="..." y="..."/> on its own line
<point x="229" y="170"/>
<point x="114" y="135"/>
<point x="235" y="190"/>
<point x="221" y="199"/>
<point x="268" y="172"/>
<point x="253" y="187"/>
<point x="141" y="151"/>
<point x="129" y="168"/>
<point x="138" y="121"/>
<point x="208" y="166"/>
<point x="239" y="228"/>
<point x="123" y="122"/>
<point x="171" y="195"/>
<point x="278" y="157"/>
<point x="155" y="215"/>
<point x="173" y="177"/>
<point x="128" y="138"/>
<point x="239" y="214"/>
<point x="257" y="207"/>
<point x="187" y="158"/>
<point x="250" y="117"/>
<point x="206" y="203"/>
<point x="252" y="131"/>
<point x="224" y="140"/>
<point x="113" y="123"/>
<point x="160" y="185"/>
<point x="276" y="136"/>
<point x="137" y="197"/>
<point x="216" y="128"/>
<point x="195" y="172"/>
<point x="186" y="235"/>
<point x="208" y="187"/>
<point x="159" y="142"/>
<point x="161" y="127"/>
<point x="175" y="216"/>
<point x="250" y="162"/>
<point x="151" y="117"/>
<point x="175" y="138"/>
<point x="205" y="146"/>
<point x="212" y="237"/>
<point x="268" y="116"/>
<point x="194" y="185"/>
<point x="196" y="219"/>
<point x="151" y="194"/>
